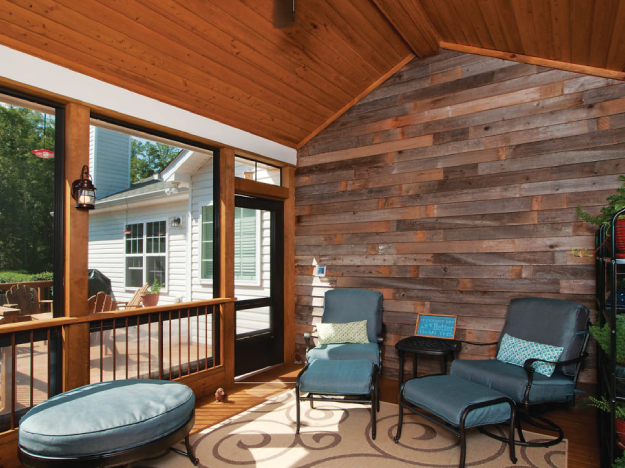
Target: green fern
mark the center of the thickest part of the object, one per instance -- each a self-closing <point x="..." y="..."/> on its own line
<point x="615" y="204"/>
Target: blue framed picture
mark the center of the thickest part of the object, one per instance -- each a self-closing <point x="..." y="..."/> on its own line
<point x="436" y="326"/>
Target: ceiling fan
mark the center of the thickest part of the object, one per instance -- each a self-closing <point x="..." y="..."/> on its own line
<point x="283" y="13"/>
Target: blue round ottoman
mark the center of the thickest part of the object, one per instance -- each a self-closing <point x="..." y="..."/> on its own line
<point x="107" y="424"/>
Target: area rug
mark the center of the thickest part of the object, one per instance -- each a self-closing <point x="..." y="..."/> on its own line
<point x="339" y="435"/>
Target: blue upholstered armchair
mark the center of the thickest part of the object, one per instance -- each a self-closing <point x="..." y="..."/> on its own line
<point x="561" y="324"/>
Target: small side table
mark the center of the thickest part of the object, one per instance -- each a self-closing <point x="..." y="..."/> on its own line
<point x="428" y="347"/>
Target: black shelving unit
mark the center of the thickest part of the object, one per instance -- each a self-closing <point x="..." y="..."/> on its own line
<point x="610" y="268"/>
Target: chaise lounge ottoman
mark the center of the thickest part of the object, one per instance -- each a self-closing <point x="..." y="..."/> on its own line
<point x="353" y="380"/>
<point x="107" y="424"/>
<point x="458" y="404"/>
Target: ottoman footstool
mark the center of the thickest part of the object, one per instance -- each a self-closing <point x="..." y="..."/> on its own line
<point x="459" y="405"/>
<point x="354" y="380"/>
<point x="107" y="424"/>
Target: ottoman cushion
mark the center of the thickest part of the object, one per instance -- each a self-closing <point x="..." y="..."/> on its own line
<point x="338" y="377"/>
<point x="446" y="396"/>
<point x="105" y="417"/>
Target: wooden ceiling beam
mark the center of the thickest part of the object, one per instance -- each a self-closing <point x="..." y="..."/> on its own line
<point x="572" y="67"/>
<point x="413" y="24"/>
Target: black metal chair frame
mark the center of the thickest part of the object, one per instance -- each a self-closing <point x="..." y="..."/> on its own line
<point x="524" y="414"/>
<point x="460" y="430"/>
<point x="373" y="398"/>
<point x="152" y="449"/>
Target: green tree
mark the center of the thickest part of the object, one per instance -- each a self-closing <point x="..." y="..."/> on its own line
<point x="148" y="158"/>
<point x="26" y="182"/>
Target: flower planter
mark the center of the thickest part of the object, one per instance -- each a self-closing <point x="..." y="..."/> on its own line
<point x="620" y="430"/>
<point x="619" y="237"/>
<point x="149" y="300"/>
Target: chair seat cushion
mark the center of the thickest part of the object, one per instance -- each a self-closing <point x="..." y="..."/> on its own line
<point x="346" y="351"/>
<point x="338" y="377"/>
<point x="105" y="417"/>
<point x="447" y="396"/>
<point x="512" y="380"/>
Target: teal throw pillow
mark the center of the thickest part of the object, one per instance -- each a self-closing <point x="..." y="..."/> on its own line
<point x="516" y="351"/>
<point x="350" y="332"/>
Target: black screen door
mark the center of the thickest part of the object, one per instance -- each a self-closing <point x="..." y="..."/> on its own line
<point x="258" y="280"/>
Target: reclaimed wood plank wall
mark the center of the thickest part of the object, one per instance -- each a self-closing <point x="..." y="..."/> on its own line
<point x="452" y="189"/>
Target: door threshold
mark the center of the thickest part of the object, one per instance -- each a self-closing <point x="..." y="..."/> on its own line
<point x="239" y="378"/>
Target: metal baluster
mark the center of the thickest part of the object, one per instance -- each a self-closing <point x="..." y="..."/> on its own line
<point x="32" y="367"/>
<point x="127" y="350"/>
<point x="101" y="351"/>
<point x="13" y="379"/>
<point x="138" y="347"/>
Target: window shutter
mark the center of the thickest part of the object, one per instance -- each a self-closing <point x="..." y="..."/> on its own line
<point x="244" y="244"/>
<point x="207" y="243"/>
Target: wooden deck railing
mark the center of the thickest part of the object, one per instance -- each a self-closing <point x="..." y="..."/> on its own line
<point x="165" y="342"/>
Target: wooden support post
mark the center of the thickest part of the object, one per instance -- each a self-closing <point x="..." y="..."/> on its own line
<point x="288" y="181"/>
<point x="226" y="234"/>
<point x="76" y="337"/>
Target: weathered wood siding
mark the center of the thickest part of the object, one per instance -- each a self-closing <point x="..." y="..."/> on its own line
<point x="452" y="189"/>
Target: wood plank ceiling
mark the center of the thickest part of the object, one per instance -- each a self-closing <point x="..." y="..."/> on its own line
<point x="225" y="59"/>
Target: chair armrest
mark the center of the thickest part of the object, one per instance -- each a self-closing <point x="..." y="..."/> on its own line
<point x="307" y="338"/>
<point x="475" y="343"/>
<point x="528" y="366"/>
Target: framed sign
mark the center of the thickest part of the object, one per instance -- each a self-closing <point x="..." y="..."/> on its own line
<point x="436" y="326"/>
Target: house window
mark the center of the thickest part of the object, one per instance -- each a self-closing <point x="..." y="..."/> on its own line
<point x="245" y="244"/>
<point x="146" y="249"/>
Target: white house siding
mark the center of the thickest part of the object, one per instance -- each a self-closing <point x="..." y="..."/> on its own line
<point x="110" y="167"/>
<point x="202" y="195"/>
<point x="107" y="248"/>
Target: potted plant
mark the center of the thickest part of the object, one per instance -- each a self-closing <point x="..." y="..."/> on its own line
<point x="619" y="414"/>
<point x="603" y="336"/>
<point x="150" y="298"/>
<point x="616" y="203"/>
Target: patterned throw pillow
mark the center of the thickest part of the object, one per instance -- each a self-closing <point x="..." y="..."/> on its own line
<point x="350" y="332"/>
<point x="516" y="351"/>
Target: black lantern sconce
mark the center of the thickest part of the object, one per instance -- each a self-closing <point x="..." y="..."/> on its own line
<point x="83" y="191"/>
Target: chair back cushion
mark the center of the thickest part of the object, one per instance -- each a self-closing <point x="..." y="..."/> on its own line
<point x="549" y="321"/>
<point x="352" y="305"/>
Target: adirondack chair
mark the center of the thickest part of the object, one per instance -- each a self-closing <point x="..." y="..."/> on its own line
<point x="135" y="300"/>
<point x="24" y="298"/>
<point x="101" y="302"/>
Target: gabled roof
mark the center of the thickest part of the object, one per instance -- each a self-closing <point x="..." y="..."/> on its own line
<point x="142" y="190"/>
<point x="230" y="61"/>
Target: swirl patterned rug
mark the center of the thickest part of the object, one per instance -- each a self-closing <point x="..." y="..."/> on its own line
<point x="340" y="436"/>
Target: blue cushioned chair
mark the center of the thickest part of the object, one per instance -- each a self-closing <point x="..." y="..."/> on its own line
<point x="547" y="321"/>
<point x="351" y="305"/>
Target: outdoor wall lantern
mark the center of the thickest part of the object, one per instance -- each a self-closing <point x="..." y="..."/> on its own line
<point x="83" y="190"/>
<point x="175" y="222"/>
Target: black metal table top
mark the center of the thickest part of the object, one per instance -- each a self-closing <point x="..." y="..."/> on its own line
<point x="425" y="345"/>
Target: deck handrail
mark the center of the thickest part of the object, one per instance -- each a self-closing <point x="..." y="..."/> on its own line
<point x="30" y="284"/>
<point x="61" y="321"/>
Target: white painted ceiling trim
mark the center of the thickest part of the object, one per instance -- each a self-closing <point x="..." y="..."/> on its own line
<point x="32" y="71"/>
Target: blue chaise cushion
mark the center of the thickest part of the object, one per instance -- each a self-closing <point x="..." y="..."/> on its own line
<point x="105" y="417"/>
<point x="512" y="380"/>
<point x="352" y="305"/>
<point x="346" y="351"/>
